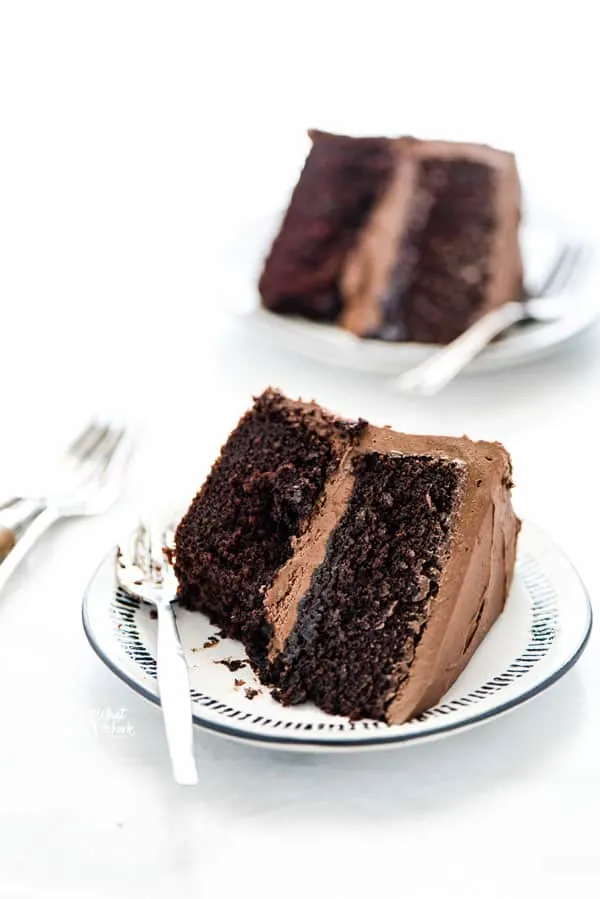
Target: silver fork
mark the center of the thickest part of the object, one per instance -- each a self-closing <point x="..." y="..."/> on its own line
<point x="144" y="570"/>
<point x="86" y="481"/>
<point x="543" y="305"/>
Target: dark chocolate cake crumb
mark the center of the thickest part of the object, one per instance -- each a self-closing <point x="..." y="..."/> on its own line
<point x="342" y="180"/>
<point x="153" y="614"/>
<point x="395" y="529"/>
<point x="251" y="692"/>
<point x="442" y="271"/>
<point x="212" y="641"/>
<point x="240" y="528"/>
<point x="238" y="682"/>
<point x="232" y="664"/>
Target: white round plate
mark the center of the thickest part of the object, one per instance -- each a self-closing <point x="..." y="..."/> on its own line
<point x="539" y="636"/>
<point x="542" y="235"/>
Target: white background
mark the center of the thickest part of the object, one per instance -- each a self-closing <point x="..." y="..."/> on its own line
<point x="136" y="141"/>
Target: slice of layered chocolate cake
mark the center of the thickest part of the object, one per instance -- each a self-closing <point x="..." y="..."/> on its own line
<point x="398" y="239"/>
<point x="360" y="567"/>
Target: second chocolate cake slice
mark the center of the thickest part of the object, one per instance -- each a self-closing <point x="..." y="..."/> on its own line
<point x="398" y="239"/>
<point x="360" y="567"/>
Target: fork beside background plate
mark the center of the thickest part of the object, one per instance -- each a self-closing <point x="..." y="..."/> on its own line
<point x="544" y="304"/>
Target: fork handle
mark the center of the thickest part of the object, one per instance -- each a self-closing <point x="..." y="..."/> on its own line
<point x="8" y="539"/>
<point x="18" y="513"/>
<point x="445" y="364"/>
<point x="174" y="688"/>
<point x="21" y="526"/>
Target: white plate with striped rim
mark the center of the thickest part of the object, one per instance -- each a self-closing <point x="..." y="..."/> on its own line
<point x="542" y="235"/>
<point x="538" y="638"/>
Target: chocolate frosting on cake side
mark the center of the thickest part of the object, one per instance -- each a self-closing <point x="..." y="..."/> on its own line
<point x="478" y="571"/>
<point x="478" y="566"/>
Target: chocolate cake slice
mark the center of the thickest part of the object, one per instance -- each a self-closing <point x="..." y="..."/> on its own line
<point x="397" y="238"/>
<point x="360" y="567"/>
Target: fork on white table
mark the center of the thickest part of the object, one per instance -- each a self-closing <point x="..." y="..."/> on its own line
<point x="86" y="481"/>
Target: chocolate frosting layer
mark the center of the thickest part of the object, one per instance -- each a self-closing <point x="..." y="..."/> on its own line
<point x="476" y="575"/>
<point x="293" y="580"/>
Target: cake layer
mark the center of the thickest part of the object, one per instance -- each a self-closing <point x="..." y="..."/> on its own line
<point x="443" y="261"/>
<point x="259" y="496"/>
<point x="342" y="180"/>
<point x="358" y="624"/>
<point x="455" y="254"/>
<point x="421" y="488"/>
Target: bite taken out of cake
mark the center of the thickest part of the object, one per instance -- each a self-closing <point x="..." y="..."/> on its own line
<point x="360" y="567"/>
<point x="397" y="238"/>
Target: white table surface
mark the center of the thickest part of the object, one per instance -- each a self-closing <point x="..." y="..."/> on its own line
<point x="136" y="140"/>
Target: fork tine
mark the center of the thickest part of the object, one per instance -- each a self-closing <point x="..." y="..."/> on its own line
<point x="97" y="464"/>
<point x="155" y="551"/>
<point x="169" y="535"/>
<point x="119" y="455"/>
<point x="561" y="271"/>
<point x="558" y="263"/>
<point x="85" y="441"/>
<point x="566" y="273"/>
<point x="105" y="451"/>
<point x="139" y="547"/>
<point x="62" y="471"/>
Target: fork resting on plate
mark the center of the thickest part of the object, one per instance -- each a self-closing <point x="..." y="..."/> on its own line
<point x="444" y="364"/>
